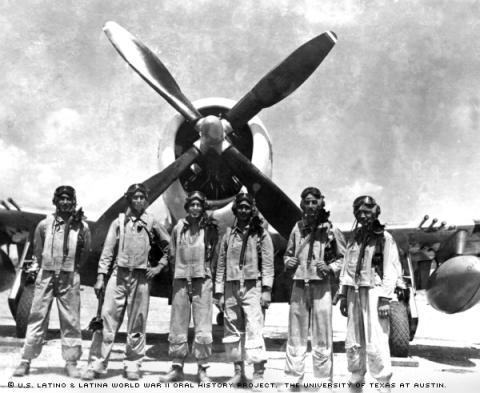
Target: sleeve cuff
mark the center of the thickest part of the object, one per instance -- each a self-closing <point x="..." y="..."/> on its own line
<point x="219" y="288"/>
<point x="267" y="282"/>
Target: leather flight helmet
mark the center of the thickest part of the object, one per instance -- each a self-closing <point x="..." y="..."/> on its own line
<point x="196" y="195"/>
<point x="135" y="188"/>
<point x="68" y="190"/>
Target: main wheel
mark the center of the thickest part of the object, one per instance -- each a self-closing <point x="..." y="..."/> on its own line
<point x="23" y="309"/>
<point x="220" y="319"/>
<point x="399" y="330"/>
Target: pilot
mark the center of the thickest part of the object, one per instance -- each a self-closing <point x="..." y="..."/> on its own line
<point x="314" y="255"/>
<point x="193" y="250"/>
<point x="243" y="286"/>
<point x="368" y="280"/>
<point x="61" y="246"/>
<point x="125" y="256"/>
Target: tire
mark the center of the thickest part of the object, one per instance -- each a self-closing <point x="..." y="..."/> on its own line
<point x="23" y="309"/>
<point x="399" y="330"/>
<point x="220" y="319"/>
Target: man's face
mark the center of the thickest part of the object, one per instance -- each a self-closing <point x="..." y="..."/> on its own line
<point x="195" y="209"/>
<point x="139" y="202"/>
<point x="311" y="205"/>
<point x="64" y="203"/>
<point x="364" y="215"/>
<point x="244" y="211"/>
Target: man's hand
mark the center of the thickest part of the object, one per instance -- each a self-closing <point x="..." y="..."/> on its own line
<point x="323" y="269"/>
<point x="99" y="285"/>
<point x="344" y="307"/>
<point x="34" y="267"/>
<point x="383" y="307"/>
<point x="153" y="271"/>
<point x="266" y="298"/>
<point x="221" y="301"/>
<point x="292" y="263"/>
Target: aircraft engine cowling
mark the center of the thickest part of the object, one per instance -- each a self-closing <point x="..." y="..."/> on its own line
<point x="209" y="174"/>
<point x="455" y="285"/>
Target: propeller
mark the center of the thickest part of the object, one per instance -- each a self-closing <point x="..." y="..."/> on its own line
<point x="277" y="208"/>
<point x="151" y="69"/>
<point x="157" y="184"/>
<point x="283" y="80"/>
<point x="272" y="88"/>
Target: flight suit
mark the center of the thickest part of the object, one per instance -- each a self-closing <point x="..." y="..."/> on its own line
<point x="367" y="333"/>
<point x="241" y="283"/>
<point x="58" y="277"/>
<point x="128" y="290"/>
<point x="311" y="299"/>
<point x="190" y="257"/>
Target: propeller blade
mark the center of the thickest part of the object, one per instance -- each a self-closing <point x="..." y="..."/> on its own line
<point x="157" y="184"/>
<point x="151" y="69"/>
<point x="283" y="79"/>
<point x="277" y="208"/>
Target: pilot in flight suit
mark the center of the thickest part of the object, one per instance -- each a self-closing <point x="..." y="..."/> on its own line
<point x="243" y="285"/>
<point x="314" y="255"/>
<point x="368" y="279"/>
<point x="125" y="253"/>
<point x="192" y="254"/>
<point x="61" y="246"/>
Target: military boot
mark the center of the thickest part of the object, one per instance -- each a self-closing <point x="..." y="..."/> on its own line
<point x="22" y="369"/>
<point x="131" y="375"/>
<point x="355" y="387"/>
<point x="202" y="374"/>
<point x="71" y="369"/>
<point x="90" y="375"/>
<point x="174" y="375"/>
<point x="258" y="371"/>
<point x="239" y="377"/>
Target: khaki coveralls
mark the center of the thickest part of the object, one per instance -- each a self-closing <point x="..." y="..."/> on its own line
<point x="58" y="277"/>
<point x="192" y="291"/>
<point x="127" y="289"/>
<point x="367" y="333"/>
<point x="241" y="284"/>
<point x="311" y="301"/>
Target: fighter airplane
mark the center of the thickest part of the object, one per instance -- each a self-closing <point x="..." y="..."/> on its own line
<point x="220" y="163"/>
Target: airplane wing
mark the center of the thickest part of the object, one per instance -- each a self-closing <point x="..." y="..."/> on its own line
<point x="445" y="261"/>
<point x="16" y="227"/>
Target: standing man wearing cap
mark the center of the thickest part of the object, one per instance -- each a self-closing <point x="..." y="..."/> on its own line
<point x="125" y="253"/>
<point x="368" y="280"/>
<point x="193" y="251"/>
<point x="314" y="255"/>
<point x="243" y="286"/>
<point x="61" y="246"/>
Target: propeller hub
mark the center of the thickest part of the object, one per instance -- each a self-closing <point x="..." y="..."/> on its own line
<point x="211" y="132"/>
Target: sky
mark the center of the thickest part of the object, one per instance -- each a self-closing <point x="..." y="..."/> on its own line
<point x="393" y="111"/>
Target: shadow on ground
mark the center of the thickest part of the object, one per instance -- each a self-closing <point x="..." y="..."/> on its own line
<point x="157" y="344"/>
<point x="452" y="356"/>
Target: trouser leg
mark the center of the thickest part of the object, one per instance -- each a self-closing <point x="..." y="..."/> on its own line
<point x="137" y="312"/>
<point x="298" y="323"/>
<point x="233" y="323"/>
<point x="322" y="333"/>
<point x="202" y="304"/>
<point x="112" y="315"/>
<point x="68" y="301"/>
<point x="179" y="321"/>
<point x="254" y="343"/>
<point x="39" y="314"/>
<point x="355" y="340"/>
<point x="377" y="332"/>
